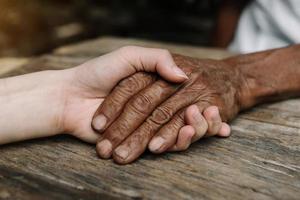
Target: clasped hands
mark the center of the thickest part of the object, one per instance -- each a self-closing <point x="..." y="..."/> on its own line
<point x="137" y="98"/>
<point x="163" y="111"/>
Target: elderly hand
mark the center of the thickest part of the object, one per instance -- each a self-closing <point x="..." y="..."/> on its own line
<point x="169" y="114"/>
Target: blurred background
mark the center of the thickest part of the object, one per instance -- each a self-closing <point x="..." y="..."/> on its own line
<point x="31" y="27"/>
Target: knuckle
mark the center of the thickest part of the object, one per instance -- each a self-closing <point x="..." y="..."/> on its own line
<point x="112" y="105"/>
<point x="116" y="135"/>
<point x="135" y="82"/>
<point x="130" y="86"/>
<point x="120" y="94"/>
<point x="178" y="121"/>
<point x="127" y="86"/>
<point x="161" y="115"/>
<point x="141" y="103"/>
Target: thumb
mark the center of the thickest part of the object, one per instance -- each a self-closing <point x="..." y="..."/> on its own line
<point x="111" y="68"/>
<point x="152" y="60"/>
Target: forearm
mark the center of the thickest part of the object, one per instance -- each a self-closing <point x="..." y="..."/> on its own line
<point x="269" y="75"/>
<point x="30" y="106"/>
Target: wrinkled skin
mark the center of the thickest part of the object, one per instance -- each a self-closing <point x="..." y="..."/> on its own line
<point x="144" y="105"/>
<point x="144" y="108"/>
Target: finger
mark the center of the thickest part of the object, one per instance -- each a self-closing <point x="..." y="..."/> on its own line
<point x="225" y="130"/>
<point x="112" y="106"/>
<point x="140" y="107"/>
<point x="153" y="60"/>
<point x="194" y="118"/>
<point x="212" y="116"/>
<point x="184" y="139"/>
<point x="165" y="113"/>
<point x="134" y="114"/>
<point x="167" y="135"/>
<point x="137" y="142"/>
<point x="169" y="132"/>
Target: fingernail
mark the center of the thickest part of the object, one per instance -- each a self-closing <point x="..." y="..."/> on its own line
<point x="179" y="72"/>
<point x="122" y="152"/>
<point x="104" y="148"/>
<point x="99" y="122"/>
<point x="156" y="143"/>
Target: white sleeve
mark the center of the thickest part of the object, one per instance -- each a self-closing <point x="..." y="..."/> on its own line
<point x="266" y="24"/>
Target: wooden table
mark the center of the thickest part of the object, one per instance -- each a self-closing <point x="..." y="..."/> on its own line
<point x="261" y="160"/>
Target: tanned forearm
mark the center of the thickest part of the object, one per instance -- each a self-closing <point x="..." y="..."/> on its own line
<point x="269" y="75"/>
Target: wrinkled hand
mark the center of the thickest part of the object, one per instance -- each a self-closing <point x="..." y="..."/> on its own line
<point x="140" y="108"/>
<point x="87" y="85"/>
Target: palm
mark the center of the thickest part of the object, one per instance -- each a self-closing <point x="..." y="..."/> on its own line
<point x="79" y="112"/>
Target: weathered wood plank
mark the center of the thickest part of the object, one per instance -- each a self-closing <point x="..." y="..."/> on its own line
<point x="107" y="44"/>
<point x="16" y="184"/>
<point x="46" y="62"/>
<point x="292" y="105"/>
<point x="250" y="164"/>
<point x="261" y="160"/>
<point x="275" y="115"/>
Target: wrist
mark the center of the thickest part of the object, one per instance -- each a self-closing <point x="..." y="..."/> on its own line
<point x="56" y="93"/>
<point x="251" y="89"/>
<point x="268" y="76"/>
<point x="31" y="106"/>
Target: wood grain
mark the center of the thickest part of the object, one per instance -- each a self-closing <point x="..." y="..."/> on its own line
<point x="261" y="160"/>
